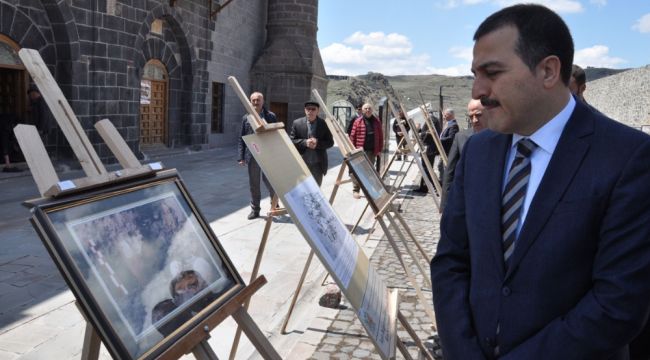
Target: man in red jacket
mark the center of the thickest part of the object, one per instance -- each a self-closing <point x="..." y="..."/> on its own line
<point x="366" y="134"/>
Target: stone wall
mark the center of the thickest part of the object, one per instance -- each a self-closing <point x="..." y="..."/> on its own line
<point x="97" y="49"/>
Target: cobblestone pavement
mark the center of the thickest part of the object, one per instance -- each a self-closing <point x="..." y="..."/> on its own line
<point x="345" y="337"/>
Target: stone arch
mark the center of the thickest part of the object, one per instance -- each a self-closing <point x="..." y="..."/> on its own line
<point x="179" y="59"/>
<point x="64" y="29"/>
<point x="23" y="29"/>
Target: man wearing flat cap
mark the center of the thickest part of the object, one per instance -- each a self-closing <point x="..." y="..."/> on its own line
<point x="312" y="138"/>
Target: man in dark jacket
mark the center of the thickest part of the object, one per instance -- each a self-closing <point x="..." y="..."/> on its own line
<point x="246" y="158"/>
<point x="37" y="109"/>
<point x="398" y="134"/>
<point x="312" y="138"/>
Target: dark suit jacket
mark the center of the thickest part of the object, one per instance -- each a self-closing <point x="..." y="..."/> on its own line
<point x="578" y="286"/>
<point x="452" y="159"/>
<point x="446" y="139"/>
<point x="299" y="135"/>
<point x="242" y="150"/>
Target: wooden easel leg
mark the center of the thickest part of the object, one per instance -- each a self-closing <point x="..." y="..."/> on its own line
<point x="90" y="350"/>
<point x="337" y="183"/>
<point x="255" y="335"/>
<point x="403" y="350"/>
<point x="359" y="219"/>
<point x="407" y="270"/>
<point x="410" y="331"/>
<point x="400" y="235"/>
<point x="411" y="235"/>
<point x="256" y="268"/>
<point x="283" y="331"/>
<point x="203" y="351"/>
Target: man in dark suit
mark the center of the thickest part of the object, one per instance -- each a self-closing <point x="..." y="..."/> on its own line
<point x="475" y="115"/>
<point x="312" y="138"/>
<point x="446" y="139"/>
<point x="575" y="282"/>
<point x="247" y="159"/>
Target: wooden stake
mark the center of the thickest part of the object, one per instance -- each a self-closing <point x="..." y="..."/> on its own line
<point x="434" y="132"/>
<point x="36" y="156"/>
<point x="116" y="143"/>
<point x="62" y="112"/>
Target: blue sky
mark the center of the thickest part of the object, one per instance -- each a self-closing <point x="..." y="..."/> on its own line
<point x="435" y="36"/>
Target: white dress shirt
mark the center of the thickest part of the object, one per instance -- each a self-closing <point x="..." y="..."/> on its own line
<point x="546" y="139"/>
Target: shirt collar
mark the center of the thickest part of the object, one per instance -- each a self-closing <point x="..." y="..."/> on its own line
<point x="451" y="122"/>
<point x="548" y="135"/>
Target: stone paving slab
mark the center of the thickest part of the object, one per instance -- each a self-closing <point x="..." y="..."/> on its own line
<point x="345" y="337"/>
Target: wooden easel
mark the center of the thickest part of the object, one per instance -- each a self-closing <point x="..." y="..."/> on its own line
<point x="397" y="182"/>
<point x="432" y="187"/>
<point x="391" y="214"/>
<point x="96" y="176"/>
<point x="280" y="144"/>
<point x="434" y="133"/>
<point x="260" y="125"/>
<point x="196" y="340"/>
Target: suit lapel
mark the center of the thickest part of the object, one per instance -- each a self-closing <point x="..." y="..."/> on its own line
<point x="493" y="165"/>
<point x="565" y="162"/>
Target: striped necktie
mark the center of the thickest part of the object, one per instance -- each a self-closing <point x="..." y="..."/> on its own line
<point x="513" y="196"/>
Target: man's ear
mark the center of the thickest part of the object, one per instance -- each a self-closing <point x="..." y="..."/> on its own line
<point x="549" y="68"/>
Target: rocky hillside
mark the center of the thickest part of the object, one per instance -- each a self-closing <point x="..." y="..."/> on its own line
<point x="623" y="95"/>
<point x="456" y="91"/>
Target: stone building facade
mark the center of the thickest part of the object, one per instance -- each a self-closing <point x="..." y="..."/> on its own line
<point x="158" y="68"/>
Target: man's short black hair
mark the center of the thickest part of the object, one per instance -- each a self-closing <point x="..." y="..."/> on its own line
<point x="542" y="33"/>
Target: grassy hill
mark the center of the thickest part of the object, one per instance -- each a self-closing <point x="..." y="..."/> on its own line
<point x="455" y="91"/>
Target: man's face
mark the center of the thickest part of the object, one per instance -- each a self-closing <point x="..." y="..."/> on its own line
<point x="258" y="101"/>
<point x="367" y="111"/>
<point x="311" y="112"/>
<point x="509" y="90"/>
<point x="475" y="114"/>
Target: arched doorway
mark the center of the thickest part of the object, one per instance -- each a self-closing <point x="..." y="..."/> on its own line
<point x="13" y="79"/>
<point x="13" y="100"/>
<point x="153" y="104"/>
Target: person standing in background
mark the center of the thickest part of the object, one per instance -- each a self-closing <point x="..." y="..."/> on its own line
<point x="247" y="159"/>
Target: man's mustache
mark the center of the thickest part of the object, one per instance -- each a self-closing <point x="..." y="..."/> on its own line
<point x="485" y="101"/>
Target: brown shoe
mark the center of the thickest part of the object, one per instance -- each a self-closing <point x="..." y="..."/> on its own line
<point x="356" y="195"/>
<point x="253" y="215"/>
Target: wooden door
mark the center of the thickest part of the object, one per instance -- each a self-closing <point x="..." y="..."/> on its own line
<point x="153" y="105"/>
<point x="13" y="80"/>
<point x="281" y="111"/>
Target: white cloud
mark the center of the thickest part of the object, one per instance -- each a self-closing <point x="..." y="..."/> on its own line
<point x="464" y="53"/>
<point x="597" y="56"/>
<point x="378" y="38"/>
<point x="456" y="70"/>
<point x="389" y="54"/>
<point x="643" y="24"/>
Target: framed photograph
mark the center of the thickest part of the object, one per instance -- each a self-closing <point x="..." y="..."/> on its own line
<point x="369" y="181"/>
<point x="144" y="265"/>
